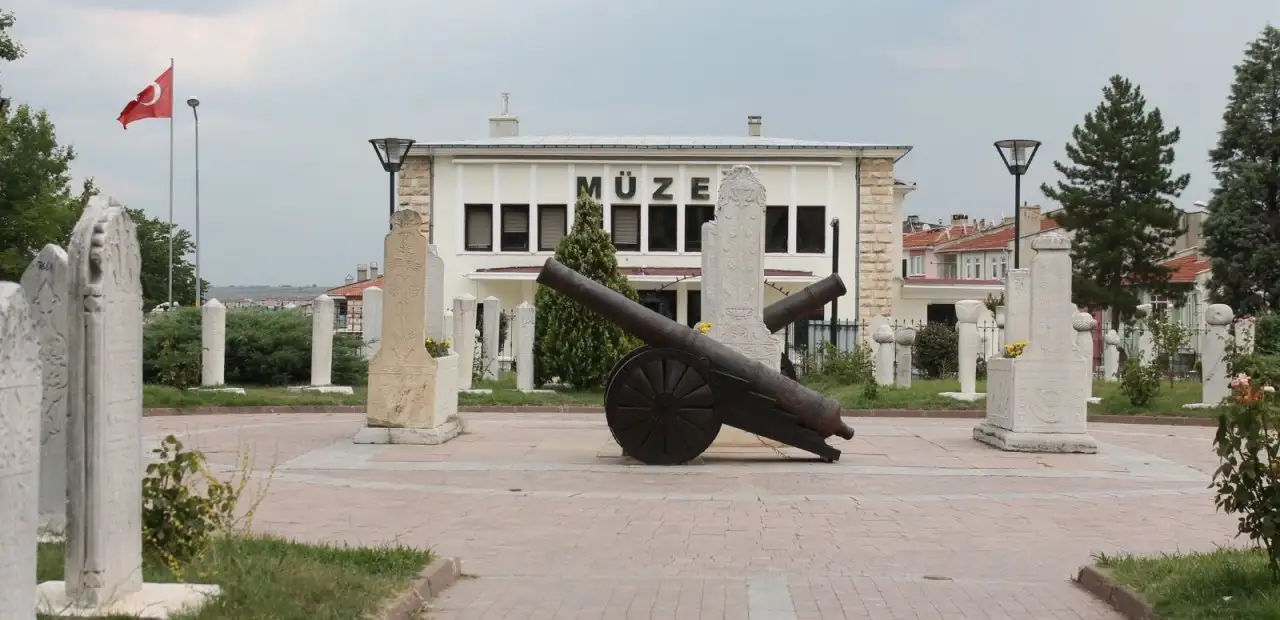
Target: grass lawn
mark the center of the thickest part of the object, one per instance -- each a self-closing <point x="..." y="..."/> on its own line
<point x="271" y="578"/>
<point x="1225" y="584"/>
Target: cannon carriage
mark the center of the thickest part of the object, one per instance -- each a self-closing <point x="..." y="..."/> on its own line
<point x="665" y="402"/>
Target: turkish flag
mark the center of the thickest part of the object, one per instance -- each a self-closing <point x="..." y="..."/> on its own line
<point x="155" y="101"/>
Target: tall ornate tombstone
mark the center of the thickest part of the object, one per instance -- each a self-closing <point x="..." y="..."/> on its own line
<point x="1215" y="384"/>
<point x="1017" y="305"/>
<point x="905" y="337"/>
<point x="526" y="318"/>
<point x="435" y="295"/>
<point x="413" y="397"/>
<point x="1111" y="356"/>
<point x="1146" y="340"/>
<point x="213" y="343"/>
<point x="1036" y="402"/>
<point x="103" y="568"/>
<point x="883" y="335"/>
<point x="491" y="335"/>
<point x="710" y="274"/>
<point x="967" y="314"/>
<point x="322" y="317"/>
<point x="1084" y="324"/>
<point x="45" y="284"/>
<point x="20" y="413"/>
<point x="371" y="321"/>
<point x="464" y="337"/>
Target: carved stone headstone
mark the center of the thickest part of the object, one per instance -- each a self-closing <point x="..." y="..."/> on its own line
<point x="1215" y="383"/>
<point x="710" y="274"/>
<point x="883" y="336"/>
<point x="20" y="428"/>
<point x="526" y="317"/>
<point x="967" y="313"/>
<point x="413" y="397"/>
<point x="464" y="337"/>
<point x="738" y="255"/>
<point x="448" y="327"/>
<point x="1084" y="324"/>
<point x="1146" y="339"/>
<point x="435" y="295"/>
<point x="906" y="339"/>
<point x="1017" y="302"/>
<point x="46" y="283"/>
<point x="322" y="341"/>
<point x="491" y="335"/>
<point x="213" y="343"/>
<point x="1111" y="356"/>
<point x="371" y="321"/>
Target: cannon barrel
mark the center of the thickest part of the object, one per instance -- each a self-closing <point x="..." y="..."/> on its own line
<point x="800" y="304"/>
<point x="815" y="411"/>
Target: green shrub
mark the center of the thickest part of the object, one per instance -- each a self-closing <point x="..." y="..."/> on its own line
<point x="1266" y="334"/>
<point x="936" y="352"/>
<point x="831" y="365"/>
<point x="1168" y="338"/>
<point x="1248" y="479"/>
<point x="184" y="507"/>
<point x="570" y="341"/>
<point x="264" y="347"/>
<point x="1138" y="381"/>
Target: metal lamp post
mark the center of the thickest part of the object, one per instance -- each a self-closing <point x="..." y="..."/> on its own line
<point x="391" y="153"/>
<point x="1017" y="156"/>
<point x="194" y="102"/>
<point x="835" y="268"/>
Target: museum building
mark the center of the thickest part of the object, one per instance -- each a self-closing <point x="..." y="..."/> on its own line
<point x="498" y="207"/>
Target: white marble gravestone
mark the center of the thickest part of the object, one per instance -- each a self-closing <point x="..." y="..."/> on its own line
<point x="371" y="321"/>
<point x="1084" y="324"/>
<point x="1146" y="339"/>
<point x="1111" y="356"/>
<point x="710" y="273"/>
<point x="1036" y="402"/>
<point x="1017" y="305"/>
<point x="103" y="569"/>
<point x="20" y="413"/>
<point x="46" y="283"/>
<point x="464" y="337"/>
<point x="413" y="397"/>
<point x="491" y="335"/>
<point x="435" y="295"/>
<point x="448" y="327"/>
<point x="526" y="321"/>
<point x="967" y="313"/>
<point x="883" y="336"/>
<point x="1215" y="383"/>
<point x="905" y="337"/>
<point x="213" y="343"/>
<point x="322" y="317"/>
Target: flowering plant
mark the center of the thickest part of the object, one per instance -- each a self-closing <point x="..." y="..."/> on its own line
<point x="1248" y="479"/>
<point x="438" y="348"/>
<point x="1014" y="349"/>
<point x="703" y="327"/>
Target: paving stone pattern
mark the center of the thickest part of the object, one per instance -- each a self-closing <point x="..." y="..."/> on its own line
<point x="916" y="521"/>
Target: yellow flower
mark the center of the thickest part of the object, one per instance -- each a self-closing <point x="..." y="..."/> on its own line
<point x="704" y="327"/>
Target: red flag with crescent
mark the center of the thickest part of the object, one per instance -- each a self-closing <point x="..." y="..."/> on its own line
<point x="155" y="101"/>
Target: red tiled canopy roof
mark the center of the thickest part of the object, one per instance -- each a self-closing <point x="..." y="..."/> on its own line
<point x="1186" y="268"/>
<point x="927" y="238"/>
<point x="997" y="238"/>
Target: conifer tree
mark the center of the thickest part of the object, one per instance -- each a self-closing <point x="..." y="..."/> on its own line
<point x="570" y="341"/>
<point x="1242" y="233"/>
<point x="1116" y="201"/>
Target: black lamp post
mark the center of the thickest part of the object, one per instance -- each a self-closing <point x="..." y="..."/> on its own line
<point x="835" y="268"/>
<point x="392" y="152"/>
<point x="1017" y="156"/>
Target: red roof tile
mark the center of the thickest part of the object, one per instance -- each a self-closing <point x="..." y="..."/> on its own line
<point x="1186" y="268"/>
<point x="355" y="289"/>
<point x="929" y="238"/>
<point x="997" y="238"/>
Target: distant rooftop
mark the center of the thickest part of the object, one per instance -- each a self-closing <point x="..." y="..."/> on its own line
<point x="658" y="142"/>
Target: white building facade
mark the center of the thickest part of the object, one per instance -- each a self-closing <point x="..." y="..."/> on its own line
<point x="498" y="207"/>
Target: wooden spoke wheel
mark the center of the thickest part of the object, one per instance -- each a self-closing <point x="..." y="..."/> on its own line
<point x="660" y="407"/>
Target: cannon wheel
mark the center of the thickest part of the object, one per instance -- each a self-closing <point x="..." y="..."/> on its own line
<point x="660" y="408"/>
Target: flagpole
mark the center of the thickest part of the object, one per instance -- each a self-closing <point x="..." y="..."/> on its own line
<point x="172" y="77"/>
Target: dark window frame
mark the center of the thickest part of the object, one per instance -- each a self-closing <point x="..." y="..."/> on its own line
<point x="613" y="218"/>
<point x="675" y="227"/>
<point x="768" y="229"/>
<point x="502" y="228"/>
<point x="819" y="247"/>
<point x="564" y="224"/>
<point x="467" y="209"/>
<point x="693" y="234"/>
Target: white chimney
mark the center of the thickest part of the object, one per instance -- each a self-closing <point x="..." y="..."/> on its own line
<point x="753" y="126"/>
<point x="362" y="272"/>
<point x="504" y="125"/>
<point x="373" y="270"/>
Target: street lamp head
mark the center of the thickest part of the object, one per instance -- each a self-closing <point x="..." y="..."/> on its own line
<point x="1017" y="154"/>
<point x="193" y="101"/>
<point x="391" y="152"/>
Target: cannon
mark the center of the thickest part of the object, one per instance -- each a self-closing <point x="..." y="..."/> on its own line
<point x="665" y="402"/>
<point x="799" y="304"/>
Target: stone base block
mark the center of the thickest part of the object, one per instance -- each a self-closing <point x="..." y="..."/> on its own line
<point x="967" y="397"/>
<point x="224" y="390"/>
<point x="323" y="389"/>
<point x="409" y="436"/>
<point x="1009" y="441"/>
<point x="1200" y="406"/>
<point x="51" y="537"/>
<point x="537" y="391"/>
<point x="1094" y="400"/>
<point x="475" y="391"/>
<point x="155" y="600"/>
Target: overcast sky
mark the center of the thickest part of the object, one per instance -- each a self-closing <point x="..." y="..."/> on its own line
<point x="291" y="91"/>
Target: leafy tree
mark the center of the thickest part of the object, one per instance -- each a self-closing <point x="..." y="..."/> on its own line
<point x="1242" y="232"/>
<point x="37" y="206"/>
<point x="153" y="243"/>
<point x="1116" y="202"/>
<point x="570" y="341"/>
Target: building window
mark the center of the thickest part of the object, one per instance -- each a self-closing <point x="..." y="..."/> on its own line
<point x="946" y="267"/>
<point x="662" y="228"/>
<point x="553" y="225"/>
<point x="973" y="267"/>
<point x="626" y="228"/>
<point x="775" y="230"/>
<point x="479" y="228"/>
<point x="694" y="217"/>
<point x="1159" y="305"/>
<point x="515" y="228"/>
<point x="811" y="230"/>
<point x="999" y="267"/>
<point x="915" y="267"/>
<point x="693" y="308"/>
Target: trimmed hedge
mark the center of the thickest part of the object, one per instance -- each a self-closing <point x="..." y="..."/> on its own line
<point x="264" y="347"/>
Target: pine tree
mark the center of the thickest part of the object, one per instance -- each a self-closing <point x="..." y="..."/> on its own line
<point x="1116" y="202"/>
<point x="570" y="341"/>
<point x="1242" y="232"/>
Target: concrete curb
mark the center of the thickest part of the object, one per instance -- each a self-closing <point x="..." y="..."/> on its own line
<point x="1098" y="582"/>
<point x="945" y="414"/>
<point x="430" y="583"/>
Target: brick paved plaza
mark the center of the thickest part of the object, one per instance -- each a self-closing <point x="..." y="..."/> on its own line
<point x="916" y="521"/>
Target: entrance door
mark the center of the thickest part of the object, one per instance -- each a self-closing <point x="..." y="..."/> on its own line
<point x="662" y="302"/>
